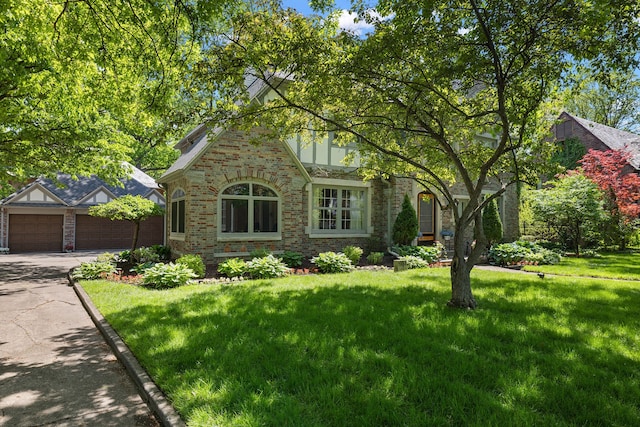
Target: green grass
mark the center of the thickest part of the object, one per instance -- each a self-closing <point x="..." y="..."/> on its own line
<point x="373" y="349"/>
<point x="617" y="265"/>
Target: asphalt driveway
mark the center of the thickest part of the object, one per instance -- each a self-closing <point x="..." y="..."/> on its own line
<point x="55" y="367"/>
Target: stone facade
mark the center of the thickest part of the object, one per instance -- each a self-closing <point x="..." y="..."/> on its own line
<point x="211" y="162"/>
<point x="232" y="158"/>
<point x="69" y="233"/>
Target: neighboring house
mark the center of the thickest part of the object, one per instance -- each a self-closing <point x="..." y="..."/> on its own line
<point x="50" y="216"/>
<point x="227" y="197"/>
<point x="596" y="136"/>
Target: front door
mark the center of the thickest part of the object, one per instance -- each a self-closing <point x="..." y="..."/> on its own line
<point x="426" y="218"/>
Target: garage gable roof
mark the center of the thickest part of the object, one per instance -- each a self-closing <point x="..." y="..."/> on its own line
<point x="66" y="191"/>
<point x="37" y="194"/>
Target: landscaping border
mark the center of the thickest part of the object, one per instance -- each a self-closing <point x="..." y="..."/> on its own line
<point x="149" y="391"/>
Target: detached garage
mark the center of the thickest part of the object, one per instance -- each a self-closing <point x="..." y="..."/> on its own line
<point x="52" y="216"/>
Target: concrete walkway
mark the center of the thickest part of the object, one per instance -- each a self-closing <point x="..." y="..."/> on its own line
<point x="55" y="367"/>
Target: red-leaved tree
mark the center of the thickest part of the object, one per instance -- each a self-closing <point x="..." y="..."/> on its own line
<point x="610" y="170"/>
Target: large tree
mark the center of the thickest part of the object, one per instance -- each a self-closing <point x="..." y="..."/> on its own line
<point x="86" y="84"/>
<point x="612" y="99"/>
<point x="418" y="92"/>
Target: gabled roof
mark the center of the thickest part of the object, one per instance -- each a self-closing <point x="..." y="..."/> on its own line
<point x="191" y="146"/>
<point x="196" y="142"/>
<point x="200" y="140"/>
<point x="70" y="192"/>
<point x="613" y="138"/>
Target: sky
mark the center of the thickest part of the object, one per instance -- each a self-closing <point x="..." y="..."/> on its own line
<point x="346" y="20"/>
<point x="302" y="6"/>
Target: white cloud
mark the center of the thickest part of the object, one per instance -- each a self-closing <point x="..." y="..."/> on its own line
<point x="347" y="22"/>
<point x="350" y="23"/>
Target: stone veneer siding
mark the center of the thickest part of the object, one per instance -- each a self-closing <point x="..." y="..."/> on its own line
<point x="69" y="234"/>
<point x="4" y="227"/>
<point x="230" y="159"/>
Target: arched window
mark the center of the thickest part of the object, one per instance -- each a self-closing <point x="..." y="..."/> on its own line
<point x="249" y="209"/>
<point x="178" y="211"/>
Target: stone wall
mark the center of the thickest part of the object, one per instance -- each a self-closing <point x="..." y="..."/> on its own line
<point x="233" y="159"/>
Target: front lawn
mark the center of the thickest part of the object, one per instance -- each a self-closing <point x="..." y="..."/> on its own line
<point x="381" y="348"/>
<point x="618" y="265"/>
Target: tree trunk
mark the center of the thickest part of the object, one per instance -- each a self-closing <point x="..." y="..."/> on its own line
<point x="461" y="295"/>
<point x="136" y="230"/>
<point x="578" y="235"/>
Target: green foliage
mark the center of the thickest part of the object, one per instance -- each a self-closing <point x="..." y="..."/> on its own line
<point x="571" y="206"/>
<point x="260" y="253"/>
<point x="93" y="270"/>
<point x="491" y="223"/>
<point x="428" y="253"/>
<point x="140" y="268"/>
<point x="507" y="253"/>
<point x="194" y="262"/>
<point x="590" y="253"/>
<point x="415" y="93"/>
<point x="233" y="267"/>
<point x="557" y="352"/>
<point x="127" y="207"/>
<point x="520" y="251"/>
<point x="332" y="262"/>
<point x="144" y="255"/>
<point x="82" y="98"/>
<point x="570" y="151"/>
<point x="141" y="259"/>
<point x="107" y="257"/>
<point x="375" y="244"/>
<point x="266" y="267"/>
<point x="375" y="258"/>
<point x="353" y="253"/>
<point x="164" y="252"/>
<point x="292" y="259"/>
<point x="405" y="228"/>
<point x="414" y="261"/>
<point x="611" y="101"/>
<point x="124" y="256"/>
<point x="161" y="276"/>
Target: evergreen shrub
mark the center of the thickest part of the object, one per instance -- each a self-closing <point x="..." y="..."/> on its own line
<point x="405" y="227"/>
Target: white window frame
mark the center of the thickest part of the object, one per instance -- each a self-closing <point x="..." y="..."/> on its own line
<point x="250" y="234"/>
<point x="340" y="185"/>
<point x="178" y="196"/>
